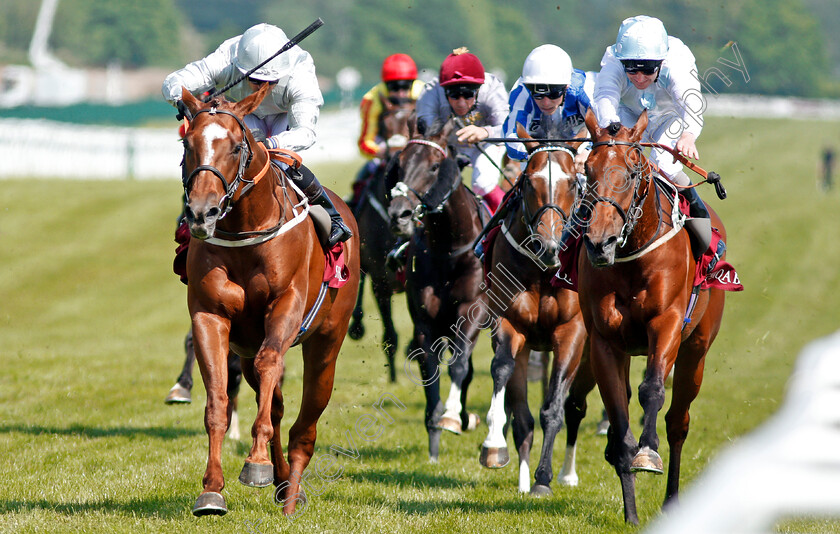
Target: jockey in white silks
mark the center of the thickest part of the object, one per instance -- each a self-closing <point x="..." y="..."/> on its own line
<point x="648" y="70"/>
<point x="286" y="118"/>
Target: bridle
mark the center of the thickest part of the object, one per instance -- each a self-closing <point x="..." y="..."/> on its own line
<point x="246" y="154"/>
<point x="401" y="189"/>
<point x="529" y="219"/>
<point x="638" y="176"/>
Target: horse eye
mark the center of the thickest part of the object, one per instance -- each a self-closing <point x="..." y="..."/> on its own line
<point x="237" y="149"/>
<point x="434" y="168"/>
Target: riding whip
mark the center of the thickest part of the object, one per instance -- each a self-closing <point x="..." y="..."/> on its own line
<point x="460" y="124"/>
<point x="709" y="176"/>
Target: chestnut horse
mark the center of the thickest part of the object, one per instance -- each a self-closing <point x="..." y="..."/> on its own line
<point x="372" y="216"/>
<point x="443" y="277"/>
<point x="255" y="269"/>
<point x="533" y="314"/>
<point x="634" y="283"/>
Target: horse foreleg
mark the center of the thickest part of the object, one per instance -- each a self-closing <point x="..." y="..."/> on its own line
<point x="456" y="418"/>
<point x="268" y="367"/>
<point x="382" y="292"/>
<point x="568" y="346"/>
<point x="575" y="411"/>
<point x="180" y="392"/>
<point x="507" y="342"/>
<point x="234" y="380"/>
<point x="522" y="422"/>
<point x="664" y="335"/>
<point x="357" y="327"/>
<point x="427" y="359"/>
<point x="319" y="357"/>
<point x="211" y="343"/>
<point x="610" y="368"/>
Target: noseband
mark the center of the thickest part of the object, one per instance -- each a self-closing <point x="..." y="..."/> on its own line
<point x="246" y="154"/>
<point x="401" y="189"/>
<point x="634" y="211"/>
<point x="531" y="220"/>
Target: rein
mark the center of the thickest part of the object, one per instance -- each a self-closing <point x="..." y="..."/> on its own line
<point x="248" y="238"/>
<point x="634" y="211"/>
<point x="401" y="189"/>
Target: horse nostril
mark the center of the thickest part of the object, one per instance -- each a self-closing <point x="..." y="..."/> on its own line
<point x="405" y="214"/>
<point x="213" y="212"/>
<point x="188" y="214"/>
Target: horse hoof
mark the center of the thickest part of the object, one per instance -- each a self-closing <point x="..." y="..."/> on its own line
<point x="540" y="490"/>
<point x="494" y="457"/>
<point x="357" y="331"/>
<point x="450" y="424"/>
<point x="210" y="503"/>
<point x="474" y="421"/>
<point x="178" y="395"/>
<point x="603" y="428"/>
<point x="647" y="460"/>
<point x="568" y="480"/>
<point x="256" y="475"/>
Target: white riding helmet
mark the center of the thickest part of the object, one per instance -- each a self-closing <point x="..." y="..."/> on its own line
<point x="547" y="64"/>
<point x="257" y="44"/>
<point x="641" y="37"/>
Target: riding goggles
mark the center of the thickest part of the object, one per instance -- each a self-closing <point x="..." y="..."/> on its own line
<point x="460" y="91"/>
<point x="398" y="85"/>
<point x="645" y="66"/>
<point x="543" y="90"/>
<point x="256" y="81"/>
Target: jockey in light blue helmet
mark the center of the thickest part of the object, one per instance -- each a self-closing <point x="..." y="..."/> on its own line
<point x="648" y="70"/>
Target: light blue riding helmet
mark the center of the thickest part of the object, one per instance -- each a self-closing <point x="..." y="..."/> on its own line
<point x="641" y="37"/>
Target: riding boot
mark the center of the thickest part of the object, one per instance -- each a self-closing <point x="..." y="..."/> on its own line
<point x="316" y="195"/>
<point x="495" y="220"/>
<point x="700" y="225"/>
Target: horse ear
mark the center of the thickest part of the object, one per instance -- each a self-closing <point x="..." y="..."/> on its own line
<point x="190" y="101"/>
<point x="251" y="102"/>
<point x="523" y="133"/>
<point x="592" y="123"/>
<point x="639" y="128"/>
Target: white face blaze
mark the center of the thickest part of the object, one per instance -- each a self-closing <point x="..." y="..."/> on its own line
<point x="211" y="133"/>
<point x="554" y="172"/>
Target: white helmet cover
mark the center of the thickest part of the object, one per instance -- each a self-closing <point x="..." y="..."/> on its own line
<point x="257" y="44"/>
<point x="547" y="64"/>
<point x="641" y="37"/>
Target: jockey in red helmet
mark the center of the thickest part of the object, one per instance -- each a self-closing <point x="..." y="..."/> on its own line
<point x="479" y="103"/>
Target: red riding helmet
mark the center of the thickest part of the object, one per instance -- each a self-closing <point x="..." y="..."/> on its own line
<point x="461" y="67"/>
<point x="398" y="67"/>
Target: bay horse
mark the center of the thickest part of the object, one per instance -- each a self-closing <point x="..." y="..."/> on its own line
<point x="255" y="269"/>
<point x="443" y="277"/>
<point x="372" y="216"/>
<point x="534" y="315"/>
<point x="634" y="283"/>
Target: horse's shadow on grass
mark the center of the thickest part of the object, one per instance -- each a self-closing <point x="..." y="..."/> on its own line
<point x="160" y="432"/>
<point x="161" y="507"/>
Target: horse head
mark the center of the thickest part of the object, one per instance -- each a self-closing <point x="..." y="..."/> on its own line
<point x="548" y="189"/>
<point x="218" y="148"/>
<point x="397" y="114"/>
<point x="618" y="182"/>
<point x="422" y="180"/>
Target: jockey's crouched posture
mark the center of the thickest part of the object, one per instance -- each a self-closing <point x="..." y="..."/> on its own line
<point x="648" y="70"/>
<point x="286" y="118"/>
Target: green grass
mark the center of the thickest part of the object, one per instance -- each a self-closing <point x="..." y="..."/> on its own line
<point x="92" y="322"/>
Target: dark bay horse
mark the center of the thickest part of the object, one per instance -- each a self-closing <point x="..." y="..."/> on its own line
<point x="533" y="314"/>
<point x="372" y="216"/>
<point x="255" y="269"/>
<point x="634" y="282"/>
<point x="443" y="277"/>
